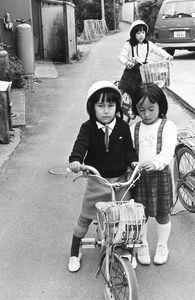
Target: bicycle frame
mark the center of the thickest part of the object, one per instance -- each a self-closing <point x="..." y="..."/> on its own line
<point x="116" y="255"/>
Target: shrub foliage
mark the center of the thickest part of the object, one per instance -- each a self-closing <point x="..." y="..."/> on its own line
<point x="148" y="11"/>
<point x="13" y="72"/>
<point x="86" y="9"/>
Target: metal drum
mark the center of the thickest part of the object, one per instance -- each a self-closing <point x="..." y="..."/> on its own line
<point x="25" y="48"/>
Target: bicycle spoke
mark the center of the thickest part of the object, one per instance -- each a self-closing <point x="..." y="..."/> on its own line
<point x="119" y="282"/>
<point x="185" y="177"/>
<point x="187" y="163"/>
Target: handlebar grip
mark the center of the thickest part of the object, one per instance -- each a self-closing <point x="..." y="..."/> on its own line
<point x="85" y="168"/>
<point x="90" y="169"/>
<point x="68" y="170"/>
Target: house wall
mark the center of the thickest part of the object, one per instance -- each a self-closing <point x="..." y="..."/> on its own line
<point x="18" y="9"/>
<point x="52" y="21"/>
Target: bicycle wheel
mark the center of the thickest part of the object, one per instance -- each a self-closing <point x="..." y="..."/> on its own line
<point x="184" y="176"/>
<point x="123" y="282"/>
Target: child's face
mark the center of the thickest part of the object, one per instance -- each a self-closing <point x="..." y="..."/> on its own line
<point x="140" y="36"/>
<point x="105" y="111"/>
<point x="148" y="111"/>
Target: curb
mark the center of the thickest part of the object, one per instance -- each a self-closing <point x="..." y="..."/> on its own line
<point x="6" y="150"/>
<point x="17" y="98"/>
<point x="180" y="100"/>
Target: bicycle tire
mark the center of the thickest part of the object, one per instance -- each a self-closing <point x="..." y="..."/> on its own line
<point x="184" y="163"/>
<point x="122" y="277"/>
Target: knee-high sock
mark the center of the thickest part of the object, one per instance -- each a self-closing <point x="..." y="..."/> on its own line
<point x="163" y="232"/>
<point x="144" y="239"/>
<point x="75" y="246"/>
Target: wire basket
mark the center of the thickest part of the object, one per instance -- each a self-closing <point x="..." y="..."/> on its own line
<point x="157" y="72"/>
<point x="121" y="222"/>
<point x="187" y="137"/>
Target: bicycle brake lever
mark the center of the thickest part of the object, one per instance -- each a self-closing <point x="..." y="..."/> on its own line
<point x="85" y="175"/>
<point x="117" y="186"/>
<point x="76" y="178"/>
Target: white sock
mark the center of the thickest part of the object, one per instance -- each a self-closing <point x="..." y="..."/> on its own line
<point x="144" y="239"/>
<point x="163" y="232"/>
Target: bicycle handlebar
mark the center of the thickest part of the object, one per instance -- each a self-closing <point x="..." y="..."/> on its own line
<point x="95" y="172"/>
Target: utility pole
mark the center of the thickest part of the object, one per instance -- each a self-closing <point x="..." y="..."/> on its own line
<point x="103" y="9"/>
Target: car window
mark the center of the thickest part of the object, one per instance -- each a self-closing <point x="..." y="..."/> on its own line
<point x="179" y="9"/>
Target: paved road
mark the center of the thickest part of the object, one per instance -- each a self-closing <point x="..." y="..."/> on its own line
<point x="38" y="210"/>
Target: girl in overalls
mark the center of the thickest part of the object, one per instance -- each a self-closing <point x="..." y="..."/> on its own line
<point x="137" y="50"/>
<point x="155" y="139"/>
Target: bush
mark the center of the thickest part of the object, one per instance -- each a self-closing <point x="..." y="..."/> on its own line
<point x="14" y="72"/>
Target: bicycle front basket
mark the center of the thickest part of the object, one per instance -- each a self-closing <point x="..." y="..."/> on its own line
<point x="121" y="222"/>
<point x="157" y="72"/>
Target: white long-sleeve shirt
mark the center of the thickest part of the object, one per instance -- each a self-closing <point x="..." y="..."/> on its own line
<point x="140" y="51"/>
<point x="148" y="143"/>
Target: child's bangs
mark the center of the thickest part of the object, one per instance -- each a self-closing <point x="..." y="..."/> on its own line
<point x="140" y="29"/>
<point x="112" y="97"/>
<point x="108" y="96"/>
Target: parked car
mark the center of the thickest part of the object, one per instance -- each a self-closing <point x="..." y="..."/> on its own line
<point x="175" y="25"/>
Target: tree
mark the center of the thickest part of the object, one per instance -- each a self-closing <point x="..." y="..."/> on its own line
<point x="148" y="11"/>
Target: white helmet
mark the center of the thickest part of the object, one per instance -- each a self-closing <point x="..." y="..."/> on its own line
<point x="138" y="23"/>
<point x="102" y="84"/>
<point x="99" y="85"/>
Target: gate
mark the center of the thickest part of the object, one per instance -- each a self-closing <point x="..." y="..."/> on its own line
<point x="58" y="28"/>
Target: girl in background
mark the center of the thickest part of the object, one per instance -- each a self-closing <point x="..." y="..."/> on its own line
<point x="137" y="50"/>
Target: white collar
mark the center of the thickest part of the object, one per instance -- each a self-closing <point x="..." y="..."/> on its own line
<point x="110" y="125"/>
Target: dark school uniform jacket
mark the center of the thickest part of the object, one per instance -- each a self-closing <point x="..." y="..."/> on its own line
<point x="89" y="148"/>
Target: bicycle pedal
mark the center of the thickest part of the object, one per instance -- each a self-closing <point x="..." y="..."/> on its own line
<point x="88" y="243"/>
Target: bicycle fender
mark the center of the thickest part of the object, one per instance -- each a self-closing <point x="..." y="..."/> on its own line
<point x="178" y="146"/>
<point x="102" y="256"/>
<point x="123" y="253"/>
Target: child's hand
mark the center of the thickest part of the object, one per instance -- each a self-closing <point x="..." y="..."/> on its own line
<point x="148" y="166"/>
<point x="169" y="58"/>
<point x="75" y="166"/>
<point x="134" y="164"/>
<point x="129" y="64"/>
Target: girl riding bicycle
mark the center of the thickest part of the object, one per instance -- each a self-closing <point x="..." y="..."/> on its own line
<point x="137" y="50"/>
<point x="104" y="142"/>
<point x="155" y="139"/>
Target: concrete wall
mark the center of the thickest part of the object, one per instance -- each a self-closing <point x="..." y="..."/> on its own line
<point x="128" y="12"/>
<point x="18" y="9"/>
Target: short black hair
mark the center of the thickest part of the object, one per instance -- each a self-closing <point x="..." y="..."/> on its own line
<point x="155" y="94"/>
<point x="111" y="96"/>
